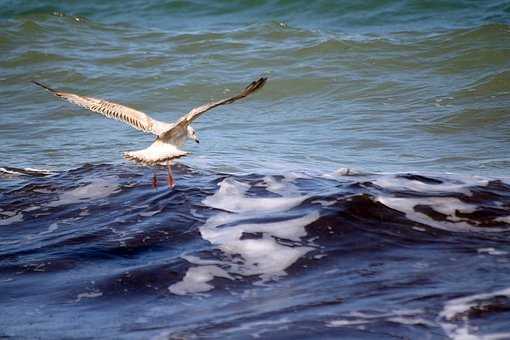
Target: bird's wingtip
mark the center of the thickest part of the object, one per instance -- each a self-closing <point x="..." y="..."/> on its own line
<point x="262" y="80"/>
<point x="256" y="84"/>
<point x="42" y="85"/>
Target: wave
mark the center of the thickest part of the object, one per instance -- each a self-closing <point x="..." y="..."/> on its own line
<point x="274" y="253"/>
<point x="253" y="209"/>
<point x="489" y="87"/>
<point x="101" y="233"/>
<point x="13" y="171"/>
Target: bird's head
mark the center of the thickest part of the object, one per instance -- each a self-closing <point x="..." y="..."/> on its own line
<point x="192" y="134"/>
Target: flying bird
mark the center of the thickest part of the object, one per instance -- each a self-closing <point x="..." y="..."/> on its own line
<point x="170" y="137"/>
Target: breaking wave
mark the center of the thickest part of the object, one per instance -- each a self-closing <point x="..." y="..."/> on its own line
<point x="100" y="235"/>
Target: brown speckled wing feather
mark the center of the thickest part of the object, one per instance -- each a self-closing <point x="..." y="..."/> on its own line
<point x="137" y="119"/>
<point x="198" y="111"/>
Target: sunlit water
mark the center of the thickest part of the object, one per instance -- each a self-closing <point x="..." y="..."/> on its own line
<point x="363" y="192"/>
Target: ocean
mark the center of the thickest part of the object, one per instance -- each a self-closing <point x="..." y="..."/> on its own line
<point x="364" y="192"/>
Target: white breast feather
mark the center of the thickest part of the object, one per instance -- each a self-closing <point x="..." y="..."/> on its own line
<point x="158" y="152"/>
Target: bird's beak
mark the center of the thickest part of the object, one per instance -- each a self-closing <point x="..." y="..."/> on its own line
<point x="196" y="140"/>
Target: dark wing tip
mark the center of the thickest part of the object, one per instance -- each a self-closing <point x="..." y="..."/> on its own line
<point x="255" y="85"/>
<point x="43" y="86"/>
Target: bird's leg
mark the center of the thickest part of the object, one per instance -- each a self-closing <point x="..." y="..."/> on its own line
<point x="154" y="180"/>
<point x="170" y="178"/>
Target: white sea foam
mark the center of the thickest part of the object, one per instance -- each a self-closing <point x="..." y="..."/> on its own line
<point x="344" y="172"/>
<point x="344" y="322"/>
<point x="231" y="197"/>
<point x="88" y="295"/>
<point x="292" y="229"/>
<point x="492" y="251"/>
<point x="393" y="182"/>
<point x="44" y="171"/>
<point x="283" y="186"/>
<point x="51" y="228"/>
<point x="392" y="313"/>
<point x="262" y="249"/>
<point x="18" y="217"/>
<point x="461" y="305"/>
<point x="408" y="320"/>
<point x="504" y="219"/>
<point x="197" y="278"/>
<point x="10" y="172"/>
<point x="149" y="213"/>
<point x="25" y="171"/>
<point x="448" y="206"/>
<point x="99" y="188"/>
<point x="454" y="319"/>
<point x="404" y="316"/>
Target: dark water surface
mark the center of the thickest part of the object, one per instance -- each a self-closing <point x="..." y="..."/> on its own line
<point x="97" y="252"/>
<point x="363" y="193"/>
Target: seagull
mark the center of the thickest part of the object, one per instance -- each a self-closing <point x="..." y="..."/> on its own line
<point x="170" y="137"/>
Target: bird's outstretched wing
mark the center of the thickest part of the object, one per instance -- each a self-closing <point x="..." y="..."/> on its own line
<point x="186" y="120"/>
<point x="135" y="118"/>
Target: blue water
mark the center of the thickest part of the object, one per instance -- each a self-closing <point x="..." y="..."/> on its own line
<point x="384" y="86"/>
<point x="362" y="193"/>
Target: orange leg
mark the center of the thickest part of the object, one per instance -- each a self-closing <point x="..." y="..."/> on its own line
<point x="154" y="181"/>
<point x="170" y="178"/>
